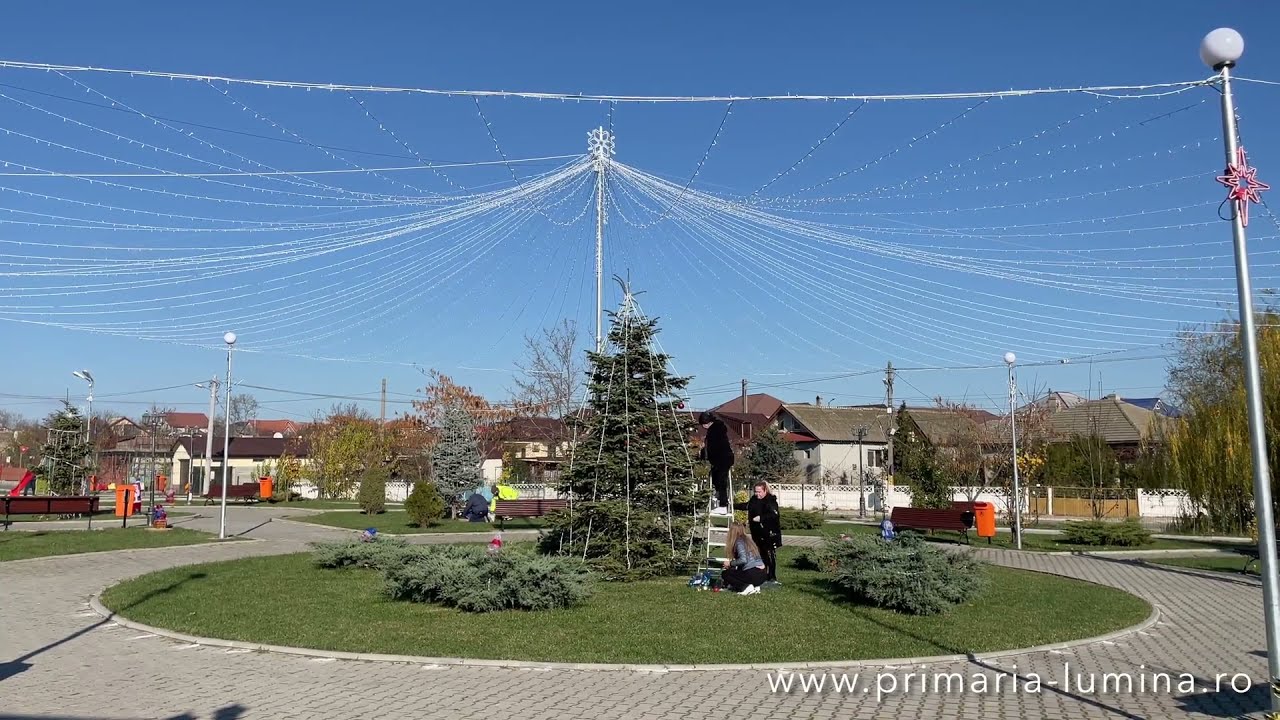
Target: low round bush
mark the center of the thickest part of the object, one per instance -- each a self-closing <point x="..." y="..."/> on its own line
<point x="1126" y="533"/>
<point x="465" y="577"/>
<point x="906" y="574"/>
<point x="793" y="519"/>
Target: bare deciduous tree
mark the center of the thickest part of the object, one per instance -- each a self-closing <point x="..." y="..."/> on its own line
<point x="553" y="371"/>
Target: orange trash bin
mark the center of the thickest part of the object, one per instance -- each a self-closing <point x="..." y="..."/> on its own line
<point x="124" y="500"/>
<point x="265" y="487"/>
<point x="984" y="519"/>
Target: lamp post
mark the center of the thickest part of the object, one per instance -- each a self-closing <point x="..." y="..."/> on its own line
<point x="1010" y="359"/>
<point x="1220" y="50"/>
<point x="152" y="421"/>
<point x="862" y="476"/>
<point x="230" y="340"/>
<point x="208" y="438"/>
<point x="88" y="421"/>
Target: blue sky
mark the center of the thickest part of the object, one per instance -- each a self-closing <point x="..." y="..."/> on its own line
<point x="782" y="312"/>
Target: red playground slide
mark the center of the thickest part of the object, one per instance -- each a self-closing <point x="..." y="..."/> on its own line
<point x="26" y="480"/>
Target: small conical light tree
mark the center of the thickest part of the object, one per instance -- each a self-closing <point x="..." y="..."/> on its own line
<point x="67" y="456"/>
<point x="631" y="474"/>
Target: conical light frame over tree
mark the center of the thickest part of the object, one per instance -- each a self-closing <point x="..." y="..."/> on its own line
<point x="633" y="495"/>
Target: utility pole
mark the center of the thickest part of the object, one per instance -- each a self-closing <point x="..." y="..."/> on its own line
<point x="382" y="419"/>
<point x="862" y="475"/>
<point x="888" y="405"/>
<point x="744" y="395"/>
<point x="208" y="438"/>
<point x="601" y="146"/>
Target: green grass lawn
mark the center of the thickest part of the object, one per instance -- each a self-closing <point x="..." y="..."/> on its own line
<point x="1221" y="563"/>
<point x="657" y="621"/>
<point x="396" y="522"/>
<point x="319" y="504"/>
<point x="19" y="544"/>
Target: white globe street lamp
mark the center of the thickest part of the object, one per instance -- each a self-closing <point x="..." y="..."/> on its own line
<point x="1009" y="360"/>
<point x="1220" y="50"/>
<point x="230" y="340"/>
<point x="88" y="421"/>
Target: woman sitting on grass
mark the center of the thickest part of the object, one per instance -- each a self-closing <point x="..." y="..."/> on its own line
<point x="749" y="572"/>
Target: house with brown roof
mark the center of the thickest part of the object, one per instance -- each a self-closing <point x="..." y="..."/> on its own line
<point x="187" y="459"/>
<point x="540" y="443"/>
<point x="178" y="423"/>
<point x="1122" y="425"/>
<point x="268" y="428"/>
<point x="752" y="404"/>
<point x="837" y="442"/>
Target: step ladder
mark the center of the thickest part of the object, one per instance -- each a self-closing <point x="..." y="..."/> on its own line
<point x="716" y="533"/>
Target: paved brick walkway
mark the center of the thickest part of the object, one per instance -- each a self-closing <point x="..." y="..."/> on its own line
<point x="61" y="660"/>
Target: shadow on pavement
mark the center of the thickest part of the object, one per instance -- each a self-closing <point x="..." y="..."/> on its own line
<point x="226" y="712"/>
<point x="20" y="665"/>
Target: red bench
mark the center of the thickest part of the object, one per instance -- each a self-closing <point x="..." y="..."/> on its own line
<point x="245" y="491"/>
<point x="49" y="505"/>
<point x="534" y="507"/>
<point x="955" y="518"/>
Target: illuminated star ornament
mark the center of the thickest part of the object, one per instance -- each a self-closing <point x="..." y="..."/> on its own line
<point x="1243" y="185"/>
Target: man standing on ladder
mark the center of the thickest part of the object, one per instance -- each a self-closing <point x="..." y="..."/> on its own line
<point x="719" y="453"/>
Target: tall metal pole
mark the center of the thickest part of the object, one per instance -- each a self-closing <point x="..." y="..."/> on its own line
<point x="599" y="256"/>
<point x="600" y="144"/>
<point x="88" y="438"/>
<point x="1013" y="433"/>
<point x="154" y="426"/>
<point x="230" y="339"/>
<point x="1257" y="426"/>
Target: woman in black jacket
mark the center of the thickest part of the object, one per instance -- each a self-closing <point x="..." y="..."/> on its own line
<point x="765" y="522"/>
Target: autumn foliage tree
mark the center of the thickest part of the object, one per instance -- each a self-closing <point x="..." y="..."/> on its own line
<point x="343" y="445"/>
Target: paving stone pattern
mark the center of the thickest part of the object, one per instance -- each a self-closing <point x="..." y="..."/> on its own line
<point x="62" y="660"/>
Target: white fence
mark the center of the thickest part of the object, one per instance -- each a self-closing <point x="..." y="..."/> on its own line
<point x="843" y="498"/>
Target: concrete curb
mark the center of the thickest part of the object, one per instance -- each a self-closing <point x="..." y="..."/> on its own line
<point x="1183" y="552"/>
<point x="96" y="604"/>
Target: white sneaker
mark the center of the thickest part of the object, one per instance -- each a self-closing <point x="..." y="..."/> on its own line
<point x="720" y="511"/>
<point x="750" y="590"/>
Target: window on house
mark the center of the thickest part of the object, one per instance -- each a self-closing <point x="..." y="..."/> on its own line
<point x="877" y="458"/>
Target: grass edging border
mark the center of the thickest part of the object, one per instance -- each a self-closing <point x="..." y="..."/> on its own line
<point x="96" y="604"/>
<point x="514" y="533"/>
<point x="206" y="543"/>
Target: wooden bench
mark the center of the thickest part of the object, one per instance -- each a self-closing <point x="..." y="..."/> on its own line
<point x="244" y="491"/>
<point x="955" y="518"/>
<point x="1252" y="555"/>
<point x="49" y="505"/>
<point x="534" y="507"/>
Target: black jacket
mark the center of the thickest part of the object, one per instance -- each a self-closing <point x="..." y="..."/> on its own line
<point x="770" y="525"/>
<point x="718" y="451"/>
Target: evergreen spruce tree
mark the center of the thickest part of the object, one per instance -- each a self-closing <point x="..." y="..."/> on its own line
<point x="771" y="457"/>
<point x="456" y="456"/>
<point x="631" y="476"/>
<point x="66" y="454"/>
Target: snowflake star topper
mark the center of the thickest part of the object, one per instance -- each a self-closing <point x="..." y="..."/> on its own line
<point x="1243" y="185"/>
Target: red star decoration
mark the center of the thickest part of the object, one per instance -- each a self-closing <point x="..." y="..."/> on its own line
<point x="1243" y="185"/>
